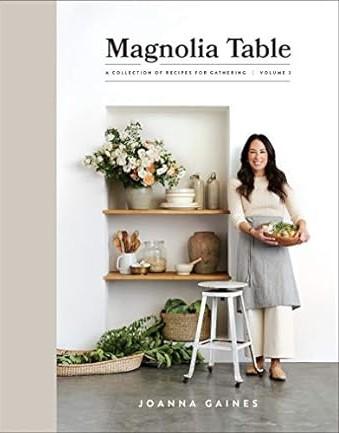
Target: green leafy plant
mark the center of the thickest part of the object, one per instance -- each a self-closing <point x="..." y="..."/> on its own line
<point x="179" y="306"/>
<point x="88" y="357"/>
<point x="141" y="336"/>
<point x="170" y="354"/>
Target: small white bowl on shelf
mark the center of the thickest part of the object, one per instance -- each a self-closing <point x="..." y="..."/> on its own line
<point x="183" y="196"/>
<point x="180" y="199"/>
<point x="186" y="268"/>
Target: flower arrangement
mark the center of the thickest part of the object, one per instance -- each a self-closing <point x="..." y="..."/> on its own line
<point x="135" y="162"/>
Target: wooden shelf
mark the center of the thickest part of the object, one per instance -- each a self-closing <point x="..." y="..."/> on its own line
<point x="167" y="276"/>
<point x="166" y="212"/>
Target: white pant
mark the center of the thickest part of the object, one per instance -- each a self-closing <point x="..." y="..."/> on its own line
<point x="272" y="331"/>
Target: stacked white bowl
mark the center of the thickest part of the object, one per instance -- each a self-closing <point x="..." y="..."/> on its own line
<point x="180" y="197"/>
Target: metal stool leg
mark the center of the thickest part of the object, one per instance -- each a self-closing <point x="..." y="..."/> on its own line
<point x="196" y="340"/>
<point x="237" y="377"/>
<point x="260" y="371"/>
<point x="213" y="332"/>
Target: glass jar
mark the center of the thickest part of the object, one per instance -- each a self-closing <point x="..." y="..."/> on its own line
<point x="154" y="253"/>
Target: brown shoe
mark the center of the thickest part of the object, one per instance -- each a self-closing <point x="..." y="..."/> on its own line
<point x="277" y="373"/>
<point x="251" y="371"/>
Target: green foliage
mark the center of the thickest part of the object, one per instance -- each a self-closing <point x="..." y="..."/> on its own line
<point x="170" y="354"/>
<point x="91" y="356"/>
<point x="142" y="336"/>
<point x="172" y="303"/>
<point x="180" y="306"/>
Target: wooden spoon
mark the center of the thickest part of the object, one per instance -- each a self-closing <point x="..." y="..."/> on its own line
<point x="125" y="241"/>
<point x="137" y="244"/>
<point x="128" y="242"/>
<point x="122" y="246"/>
<point x="116" y="243"/>
<point x="134" y="237"/>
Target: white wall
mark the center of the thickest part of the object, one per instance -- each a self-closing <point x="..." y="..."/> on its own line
<point x="299" y="117"/>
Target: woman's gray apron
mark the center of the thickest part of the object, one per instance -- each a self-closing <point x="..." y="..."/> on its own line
<point x="267" y="270"/>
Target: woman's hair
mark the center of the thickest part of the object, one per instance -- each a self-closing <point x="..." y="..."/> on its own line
<point x="276" y="178"/>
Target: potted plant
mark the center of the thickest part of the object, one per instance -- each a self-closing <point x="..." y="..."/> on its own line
<point x="136" y="163"/>
<point x="181" y="320"/>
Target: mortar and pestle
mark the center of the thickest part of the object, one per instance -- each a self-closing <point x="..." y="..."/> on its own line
<point x="186" y="268"/>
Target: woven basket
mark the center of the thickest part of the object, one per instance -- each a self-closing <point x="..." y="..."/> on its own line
<point x="120" y="365"/>
<point x="182" y="327"/>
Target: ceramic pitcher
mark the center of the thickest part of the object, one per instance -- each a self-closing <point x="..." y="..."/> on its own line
<point x="124" y="261"/>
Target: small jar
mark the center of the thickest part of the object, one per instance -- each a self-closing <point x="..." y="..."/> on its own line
<point x="154" y="253"/>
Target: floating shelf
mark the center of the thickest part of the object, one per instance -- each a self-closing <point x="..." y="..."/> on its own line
<point x="166" y="212"/>
<point x="167" y="276"/>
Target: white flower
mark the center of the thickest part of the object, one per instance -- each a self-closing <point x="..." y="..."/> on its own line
<point x="127" y="168"/>
<point x="141" y="153"/>
<point x="120" y="155"/>
<point x="153" y="153"/>
<point x="162" y="170"/>
<point x="133" y="162"/>
<point x="145" y="162"/>
<point x="181" y="173"/>
<point x="108" y="146"/>
<point x="134" y="144"/>
<point x="100" y="158"/>
<point x="142" y="172"/>
<point x="121" y="160"/>
<point x="110" y="137"/>
<point x="87" y="161"/>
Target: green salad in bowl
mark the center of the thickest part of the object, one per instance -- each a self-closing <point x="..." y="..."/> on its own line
<point x="284" y="233"/>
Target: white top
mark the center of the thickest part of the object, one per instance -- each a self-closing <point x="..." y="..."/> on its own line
<point x="262" y="202"/>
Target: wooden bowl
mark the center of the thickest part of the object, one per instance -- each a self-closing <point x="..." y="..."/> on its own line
<point x="284" y="241"/>
<point x="140" y="269"/>
<point x="287" y="242"/>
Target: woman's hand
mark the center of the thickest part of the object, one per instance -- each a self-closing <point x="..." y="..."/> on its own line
<point x="302" y="232"/>
<point x="260" y="236"/>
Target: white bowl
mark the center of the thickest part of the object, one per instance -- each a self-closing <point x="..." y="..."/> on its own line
<point x="179" y="200"/>
<point x="183" y="268"/>
<point x="180" y="194"/>
<point x="184" y="197"/>
<point x="181" y="191"/>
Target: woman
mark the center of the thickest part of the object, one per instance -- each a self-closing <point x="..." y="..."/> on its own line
<point x="259" y="195"/>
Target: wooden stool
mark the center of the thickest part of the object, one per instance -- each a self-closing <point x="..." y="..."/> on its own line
<point x="226" y="290"/>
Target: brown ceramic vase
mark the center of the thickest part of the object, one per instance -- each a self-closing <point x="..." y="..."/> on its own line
<point x="207" y="246"/>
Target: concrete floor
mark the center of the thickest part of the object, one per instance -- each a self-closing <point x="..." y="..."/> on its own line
<point x="307" y="402"/>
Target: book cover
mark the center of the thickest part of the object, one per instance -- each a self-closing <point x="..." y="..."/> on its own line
<point x="155" y="101"/>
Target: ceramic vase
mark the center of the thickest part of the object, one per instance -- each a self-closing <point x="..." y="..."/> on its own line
<point x="207" y="246"/>
<point x="139" y="198"/>
<point x="115" y="194"/>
